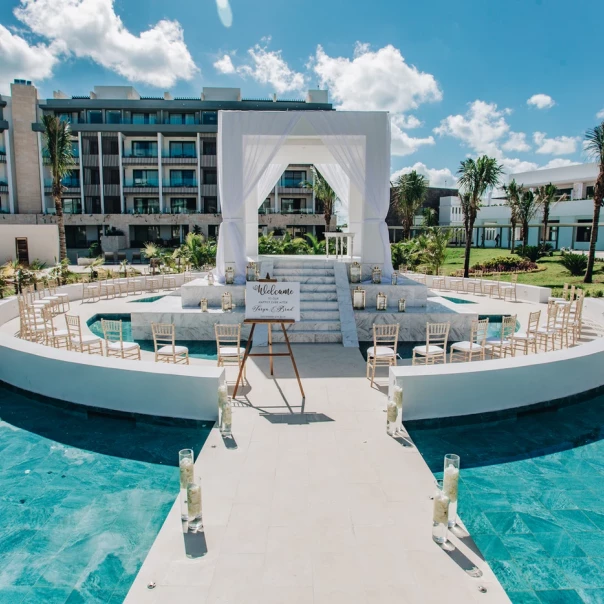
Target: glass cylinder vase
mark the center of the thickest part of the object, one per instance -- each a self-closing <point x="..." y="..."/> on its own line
<point x="440" y="514"/>
<point x="194" y="509"/>
<point x="226" y="418"/>
<point x="451" y="485"/>
<point x="391" y="417"/>
<point x="186" y="466"/>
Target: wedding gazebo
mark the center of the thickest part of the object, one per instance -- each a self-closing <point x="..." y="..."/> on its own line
<point x="351" y="149"/>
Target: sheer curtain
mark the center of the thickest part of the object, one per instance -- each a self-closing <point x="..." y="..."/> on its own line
<point x="247" y="143"/>
<point x="269" y="179"/>
<point x="337" y="180"/>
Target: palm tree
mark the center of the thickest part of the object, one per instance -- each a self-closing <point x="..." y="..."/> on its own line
<point x="527" y="208"/>
<point x="546" y="196"/>
<point x="411" y="190"/>
<point x="513" y="193"/>
<point x="594" y="145"/>
<point x="324" y="193"/>
<point x="153" y="253"/>
<point x="436" y="248"/>
<point x="57" y="145"/>
<point x="476" y="177"/>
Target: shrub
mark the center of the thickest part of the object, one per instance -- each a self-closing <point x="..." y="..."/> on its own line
<point x="506" y="264"/>
<point x="531" y="252"/>
<point x="598" y="293"/>
<point x="575" y="264"/>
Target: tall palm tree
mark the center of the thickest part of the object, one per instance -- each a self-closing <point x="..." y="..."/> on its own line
<point x="594" y="145"/>
<point x="57" y="144"/>
<point x="324" y="193"/>
<point x="476" y="178"/>
<point x="527" y="208"/>
<point x="513" y="193"/>
<point x="411" y="190"/>
<point x="546" y="197"/>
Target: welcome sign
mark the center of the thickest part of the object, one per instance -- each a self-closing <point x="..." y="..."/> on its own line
<point x="279" y="300"/>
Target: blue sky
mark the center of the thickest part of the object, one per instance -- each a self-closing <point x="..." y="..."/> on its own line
<point x="456" y="76"/>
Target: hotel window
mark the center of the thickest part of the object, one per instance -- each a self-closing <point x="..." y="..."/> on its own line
<point x="590" y="191"/>
<point x="144" y="234"/>
<point x="110" y="145"/>
<point x="72" y="205"/>
<point x="584" y="232"/>
<point x="209" y="147"/>
<point x="182" y="178"/>
<point x="144" y="118"/>
<point x="95" y="116"/>
<point x="144" y="205"/>
<point x="111" y="176"/>
<point x="183" y="205"/>
<point x="182" y="118"/>
<point x="568" y="192"/>
<point x="144" y="148"/>
<point x="292" y="178"/>
<point x="210" y="177"/>
<point x="75" y="149"/>
<point x="213" y="231"/>
<point x="145" y="178"/>
<point x="76" y="236"/>
<point x="71" y="179"/>
<point x="552" y="230"/>
<point x="92" y="176"/>
<point x="113" y="117"/>
<point x="210" y="205"/>
<point x="91" y="145"/>
<point x="490" y="233"/>
<point x="209" y="118"/>
<point x="294" y="206"/>
<point x="64" y="117"/>
<point x="92" y="205"/>
<point x="113" y="204"/>
<point x="182" y="149"/>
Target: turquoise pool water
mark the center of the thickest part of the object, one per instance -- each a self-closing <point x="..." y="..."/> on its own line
<point x="82" y="498"/>
<point x="458" y="300"/>
<point x="147" y="300"/>
<point x="531" y="496"/>
<point x="198" y="349"/>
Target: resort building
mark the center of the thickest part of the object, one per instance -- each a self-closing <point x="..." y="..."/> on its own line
<point x="569" y="221"/>
<point x="146" y="166"/>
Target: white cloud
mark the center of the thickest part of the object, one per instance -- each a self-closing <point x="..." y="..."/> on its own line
<point x="22" y="60"/>
<point x="438" y="177"/>
<point x="558" y="162"/>
<point x="482" y="127"/>
<point x="377" y="80"/>
<point x="516" y="142"/>
<point x="514" y="165"/>
<point x="224" y="65"/>
<point x="600" y="115"/>
<point x="224" y="12"/>
<point x="541" y="101"/>
<point x="402" y="143"/>
<point x="406" y="122"/>
<point x="91" y="29"/>
<point x="559" y="145"/>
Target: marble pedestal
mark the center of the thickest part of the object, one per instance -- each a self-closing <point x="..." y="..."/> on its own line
<point x="415" y="294"/>
<point x="194" y="291"/>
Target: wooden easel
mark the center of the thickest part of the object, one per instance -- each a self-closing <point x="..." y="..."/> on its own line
<point x="270" y="353"/>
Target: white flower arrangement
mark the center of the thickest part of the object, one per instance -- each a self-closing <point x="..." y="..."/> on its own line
<point x="440" y="513"/>
<point x="451" y="482"/>
<point x="194" y="500"/>
<point x="187" y="472"/>
<point x="397" y="397"/>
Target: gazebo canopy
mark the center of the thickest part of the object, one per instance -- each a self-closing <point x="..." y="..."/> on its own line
<point x="351" y="149"/>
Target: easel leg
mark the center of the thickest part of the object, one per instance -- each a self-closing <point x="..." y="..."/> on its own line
<point x="291" y="356"/>
<point x="245" y="356"/>
<point x="270" y="346"/>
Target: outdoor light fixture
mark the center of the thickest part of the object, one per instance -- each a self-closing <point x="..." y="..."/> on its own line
<point x="376" y="274"/>
<point x="227" y="302"/>
<point x="251" y="271"/>
<point x="358" y="298"/>
<point x="229" y="275"/>
<point x="355" y="272"/>
<point x="204" y="305"/>
<point x="402" y="305"/>
<point x="394" y="278"/>
<point x="381" y="301"/>
<point x="210" y="278"/>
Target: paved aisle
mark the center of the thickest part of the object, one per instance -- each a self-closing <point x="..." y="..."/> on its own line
<point x="320" y="508"/>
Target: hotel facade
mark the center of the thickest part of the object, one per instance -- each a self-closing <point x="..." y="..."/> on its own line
<point x="146" y="166"/>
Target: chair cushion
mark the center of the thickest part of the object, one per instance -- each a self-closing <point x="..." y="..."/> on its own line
<point x="493" y="340"/>
<point x="60" y="333"/>
<point x="546" y="331"/>
<point x="522" y="335"/>
<point x="169" y="349"/>
<point x="433" y="350"/>
<point x="466" y="346"/>
<point x="380" y="351"/>
<point x="231" y="351"/>
<point x="86" y="339"/>
<point x="124" y="346"/>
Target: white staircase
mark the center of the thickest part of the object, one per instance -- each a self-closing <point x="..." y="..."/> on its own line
<point x="319" y="311"/>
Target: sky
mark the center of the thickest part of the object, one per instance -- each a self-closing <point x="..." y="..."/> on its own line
<point x="520" y="80"/>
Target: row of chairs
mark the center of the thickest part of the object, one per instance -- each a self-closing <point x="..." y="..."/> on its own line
<point x="112" y="288"/>
<point x="46" y="295"/>
<point x="477" y="284"/>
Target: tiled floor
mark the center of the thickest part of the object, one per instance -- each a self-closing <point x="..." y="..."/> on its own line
<point x="531" y="496"/>
<point x="82" y="498"/>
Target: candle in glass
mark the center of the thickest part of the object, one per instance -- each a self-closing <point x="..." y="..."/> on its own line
<point x="451" y="485"/>
<point x="397" y="397"/>
<point x="440" y="514"/>
<point x="391" y="415"/>
<point x="186" y="466"/>
<point x="194" y="506"/>
<point x="226" y="418"/>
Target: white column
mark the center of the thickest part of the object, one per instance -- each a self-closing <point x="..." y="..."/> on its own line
<point x="120" y="142"/>
<point x="101" y="173"/>
<point x="41" y="164"/>
<point x="355" y="223"/>
<point x="81" y="173"/>
<point x="160" y="172"/>
<point x="198" y="172"/>
<point x="9" y="172"/>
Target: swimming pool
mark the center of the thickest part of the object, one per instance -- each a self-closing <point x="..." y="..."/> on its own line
<point x="198" y="349"/>
<point x="147" y="300"/>
<point x="82" y="498"/>
<point x="458" y="300"/>
<point x="530" y="495"/>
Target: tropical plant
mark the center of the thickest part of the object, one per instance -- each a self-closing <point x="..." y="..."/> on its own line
<point x="594" y="146"/>
<point x="436" y="248"/>
<point x="153" y="253"/>
<point x="531" y="252"/>
<point x="93" y="266"/>
<point x="295" y="246"/>
<point x="316" y="247"/>
<point x="429" y="217"/>
<point x="476" y="178"/>
<point x="95" y="250"/>
<point x="575" y="263"/>
<point x="58" y="149"/>
<point x="506" y="264"/>
<point x="527" y="208"/>
<point x="546" y="196"/>
<point x="61" y="272"/>
<point x="324" y="193"/>
<point x="513" y="192"/>
<point x="411" y="190"/>
<point x="20" y="275"/>
<point x="37" y="265"/>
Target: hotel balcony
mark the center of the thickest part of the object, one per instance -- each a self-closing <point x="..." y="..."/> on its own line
<point x="2" y="156"/>
<point x="140" y="158"/>
<point x="141" y="186"/>
<point x="180" y="186"/>
<point x="3" y="186"/>
<point x="71" y="186"/>
<point x="208" y="161"/>
<point x="181" y="159"/>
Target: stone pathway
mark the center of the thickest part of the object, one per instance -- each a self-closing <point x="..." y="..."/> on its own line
<point x="317" y="504"/>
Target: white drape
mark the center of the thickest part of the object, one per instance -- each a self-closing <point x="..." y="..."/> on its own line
<point x="269" y="179"/>
<point x="246" y="148"/>
<point x="337" y="180"/>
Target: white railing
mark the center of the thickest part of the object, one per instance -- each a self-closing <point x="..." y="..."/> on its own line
<point x="340" y="238"/>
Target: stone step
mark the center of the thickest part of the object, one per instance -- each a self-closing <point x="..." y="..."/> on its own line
<point x="309" y="279"/>
<point x="298" y="264"/>
<point x="302" y="272"/>
<point x="315" y="325"/>
<point x="319" y="305"/>
<point x="320" y="315"/>
<point x="325" y="296"/>
<point x="301" y="337"/>
<point x="315" y="288"/>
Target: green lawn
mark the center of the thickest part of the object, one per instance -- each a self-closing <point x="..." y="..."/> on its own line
<point x="554" y="275"/>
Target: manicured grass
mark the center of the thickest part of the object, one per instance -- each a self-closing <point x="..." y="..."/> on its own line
<point x="554" y="275"/>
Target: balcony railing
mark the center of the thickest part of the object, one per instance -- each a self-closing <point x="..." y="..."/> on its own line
<point x="174" y="155"/>
<point x="148" y="210"/>
<point x="129" y="154"/>
<point x="297" y="211"/>
<point x="141" y="182"/>
<point x="180" y="183"/>
<point x="68" y="183"/>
